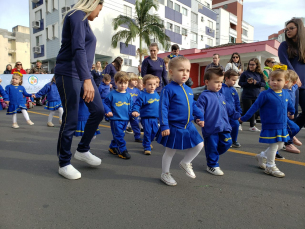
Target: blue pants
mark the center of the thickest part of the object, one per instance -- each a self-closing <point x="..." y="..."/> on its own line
<point x="134" y="122"/>
<point x="235" y="128"/>
<point x="215" y="145"/>
<point x="71" y="90"/>
<point x="117" y="129"/>
<point x="150" y="126"/>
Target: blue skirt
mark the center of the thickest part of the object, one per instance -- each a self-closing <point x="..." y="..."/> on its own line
<point x="81" y="129"/>
<point x="180" y="138"/>
<point x="13" y="108"/>
<point x="273" y="136"/>
<point x="53" y="106"/>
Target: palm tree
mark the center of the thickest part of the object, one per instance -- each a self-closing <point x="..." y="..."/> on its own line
<point x="143" y="25"/>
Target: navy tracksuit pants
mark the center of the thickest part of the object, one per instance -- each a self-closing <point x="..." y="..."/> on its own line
<point x="71" y="90"/>
<point x="215" y="145"/>
<point x="117" y="129"/>
<point x="150" y="126"/>
<point x="134" y="123"/>
<point x="235" y="128"/>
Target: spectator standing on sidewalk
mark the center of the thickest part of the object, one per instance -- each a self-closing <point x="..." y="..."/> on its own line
<point x="8" y="69"/>
<point x="38" y="69"/>
<point x="215" y="63"/>
<point x="18" y="68"/>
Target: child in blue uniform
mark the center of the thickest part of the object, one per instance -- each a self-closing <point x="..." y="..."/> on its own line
<point x="274" y="105"/>
<point x="176" y="111"/>
<point x="147" y="105"/>
<point x="16" y="94"/>
<point x="4" y="95"/>
<point x="232" y="99"/>
<point x="216" y="111"/>
<point x="133" y="126"/>
<point x="54" y="102"/>
<point x="118" y="108"/>
<point x="104" y="89"/>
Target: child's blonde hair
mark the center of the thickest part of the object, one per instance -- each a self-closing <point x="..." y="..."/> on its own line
<point x="292" y="76"/>
<point x="19" y="75"/>
<point x="173" y="62"/>
<point x="121" y="77"/>
<point x="132" y="76"/>
<point x="149" y="77"/>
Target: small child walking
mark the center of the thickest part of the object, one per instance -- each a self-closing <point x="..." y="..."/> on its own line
<point x="54" y="102"/>
<point x="147" y="106"/>
<point x="118" y="108"/>
<point x="217" y="112"/>
<point x="16" y="94"/>
<point x="176" y="110"/>
<point x="232" y="99"/>
<point x="104" y="89"/>
<point x="274" y="105"/>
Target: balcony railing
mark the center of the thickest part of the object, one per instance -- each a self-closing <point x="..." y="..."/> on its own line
<point x="233" y="32"/>
<point x="233" y="19"/>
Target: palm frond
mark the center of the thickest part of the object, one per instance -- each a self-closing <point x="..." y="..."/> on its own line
<point x="121" y="20"/>
<point x="123" y="34"/>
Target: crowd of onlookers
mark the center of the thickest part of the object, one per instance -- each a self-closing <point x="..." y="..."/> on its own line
<point x="38" y="69"/>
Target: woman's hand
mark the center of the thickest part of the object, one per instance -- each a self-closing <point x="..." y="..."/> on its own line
<point x="165" y="133"/>
<point x="88" y="91"/>
<point x="250" y="81"/>
<point x="254" y="82"/>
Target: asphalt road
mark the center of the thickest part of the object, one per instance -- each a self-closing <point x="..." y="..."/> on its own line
<point x="129" y="194"/>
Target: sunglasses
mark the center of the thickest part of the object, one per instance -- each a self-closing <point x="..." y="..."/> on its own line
<point x="289" y="29"/>
<point x="235" y="57"/>
<point x="273" y="62"/>
<point x="18" y="64"/>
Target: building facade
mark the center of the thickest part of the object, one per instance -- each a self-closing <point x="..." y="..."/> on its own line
<point x="189" y="23"/>
<point x="15" y="46"/>
<point x="231" y="28"/>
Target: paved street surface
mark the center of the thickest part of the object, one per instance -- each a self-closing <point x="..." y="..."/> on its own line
<point x="129" y="194"/>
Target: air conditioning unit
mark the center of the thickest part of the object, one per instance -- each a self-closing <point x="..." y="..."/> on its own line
<point x="36" y="24"/>
<point x="210" y="30"/>
<point x="37" y="49"/>
<point x="202" y="19"/>
<point x="35" y="1"/>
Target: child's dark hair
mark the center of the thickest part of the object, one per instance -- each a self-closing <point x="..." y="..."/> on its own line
<point x="118" y="63"/>
<point x="230" y="73"/>
<point x="211" y="72"/>
<point x="174" y="61"/>
<point x="106" y="78"/>
<point x="175" y="47"/>
<point x="149" y="77"/>
<point x="121" y="77"/>
<point x="20" y="76"/>
<point x="53" y="80"/>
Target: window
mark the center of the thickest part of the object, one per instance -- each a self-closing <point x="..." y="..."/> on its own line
<point x="38" y="15"/>
<point x="55" y="4"/>
<point x="202" y="19"/>
<point x="161" y="1"/>
<point x="184" y="11"/>
<point x="210" y="42"/>
<point x="201" y="37"/>
<point x="210" y="24"/>
<point x="245" y="32"/>
<point x="232" y="39"/>
<point x="127" y="11"/>
<point x="177" y="29"/>
<point x="194" y="18"/>
<point x="38" y="40"/>
<point x="169" y="26"/>
<point x="170" y="4"/>
<point x="194" y="37"/>
<point x="208" y="5"/>
<point x="127" y="62"/>
<point x="177" y="7"/>
<point x="184" y="32"/>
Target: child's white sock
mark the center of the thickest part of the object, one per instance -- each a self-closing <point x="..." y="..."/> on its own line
<point x="14" y="118"/>
<point x="25" y="114"/>
<point x="50" y="118"/>
<point x="60" y="111"/>
<point x="167" y="159"/>
<point x="271" y="151"/>
<point x="192" y="153"/>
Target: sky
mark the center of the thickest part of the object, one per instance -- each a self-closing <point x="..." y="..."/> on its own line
<point x="267" y="16"/>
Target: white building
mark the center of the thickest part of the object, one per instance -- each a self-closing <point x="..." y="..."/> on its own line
<point x="189" y="23"/>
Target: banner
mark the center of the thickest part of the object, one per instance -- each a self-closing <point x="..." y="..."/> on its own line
<point x="31" y="82"/>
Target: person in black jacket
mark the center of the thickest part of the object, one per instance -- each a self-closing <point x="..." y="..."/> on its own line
<point x="8" y="69"/>
<point x="97" y="73"/>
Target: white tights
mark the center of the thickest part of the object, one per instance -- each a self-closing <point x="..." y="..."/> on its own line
<point x="52" y="113"/>
<point x="188" y="158"/>
<point x="25" y="115"/>
<point x="270" y="152"/>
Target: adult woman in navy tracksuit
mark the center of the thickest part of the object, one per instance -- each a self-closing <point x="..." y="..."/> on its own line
<point x="113" y="68"/>
<point x="74" y="80"/>
<point x="251" y="81"/>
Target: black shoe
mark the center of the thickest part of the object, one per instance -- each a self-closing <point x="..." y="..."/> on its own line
<point x="142" y="130"/>
<point x="113" y="151"/>
<point x="129" y="130"/>
<point x="279" y="156"/>
<point x="236" y="145"/>
<point x="139" y="140"/>
<point x="125" y="155"/>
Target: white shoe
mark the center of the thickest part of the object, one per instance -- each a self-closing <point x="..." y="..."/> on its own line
<point x="274" y="171"/>
<point x="261" y="161"/>
<point x="60" y="121"/>
<point x="240" y="127"/>
<point x="215" y="171"/>
<point x="187" y="167"/>
<point x="50" y="124"/>
<point x="15" y="126"/>
<point x="94" y="137"/>
<point x="254" y="129"/>
<point x="30" y="122"/>
<point x="168" y="179"/>
<point x="88" y="158"/>
<point x="69" y="172"/>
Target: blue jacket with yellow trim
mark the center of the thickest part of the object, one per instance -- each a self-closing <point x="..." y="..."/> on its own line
<point x="273" y="108"/>
<point x="104" y="90"/>
<point x="147" y="105"/>
<point x="216" y="113"/>
<point x="51" y="91"/>
<point x="292" y="92"/>
<point x="231" y="97"/>
<point x="15" y="94"/>
<point x="134" y="93"/>
<point x="3" y="94"/>
<point x="177" y="106"/>
<point x="119" y="104"/>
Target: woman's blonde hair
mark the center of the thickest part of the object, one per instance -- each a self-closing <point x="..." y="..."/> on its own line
<point x="86" y="6"/>
<point x="96" y="68"/>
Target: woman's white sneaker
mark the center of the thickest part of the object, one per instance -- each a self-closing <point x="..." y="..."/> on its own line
<point x="254" y="129"/>
<point x="88" y="158"/>
<point x="261" y="161"/>
<point x="188" y="169"/>
<point x="274" y="171"/>
<point x="215" y="171"/>
<point x="69" y="172"/>
<point x="240" y="127"/>
<point x="168" y="179"/>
